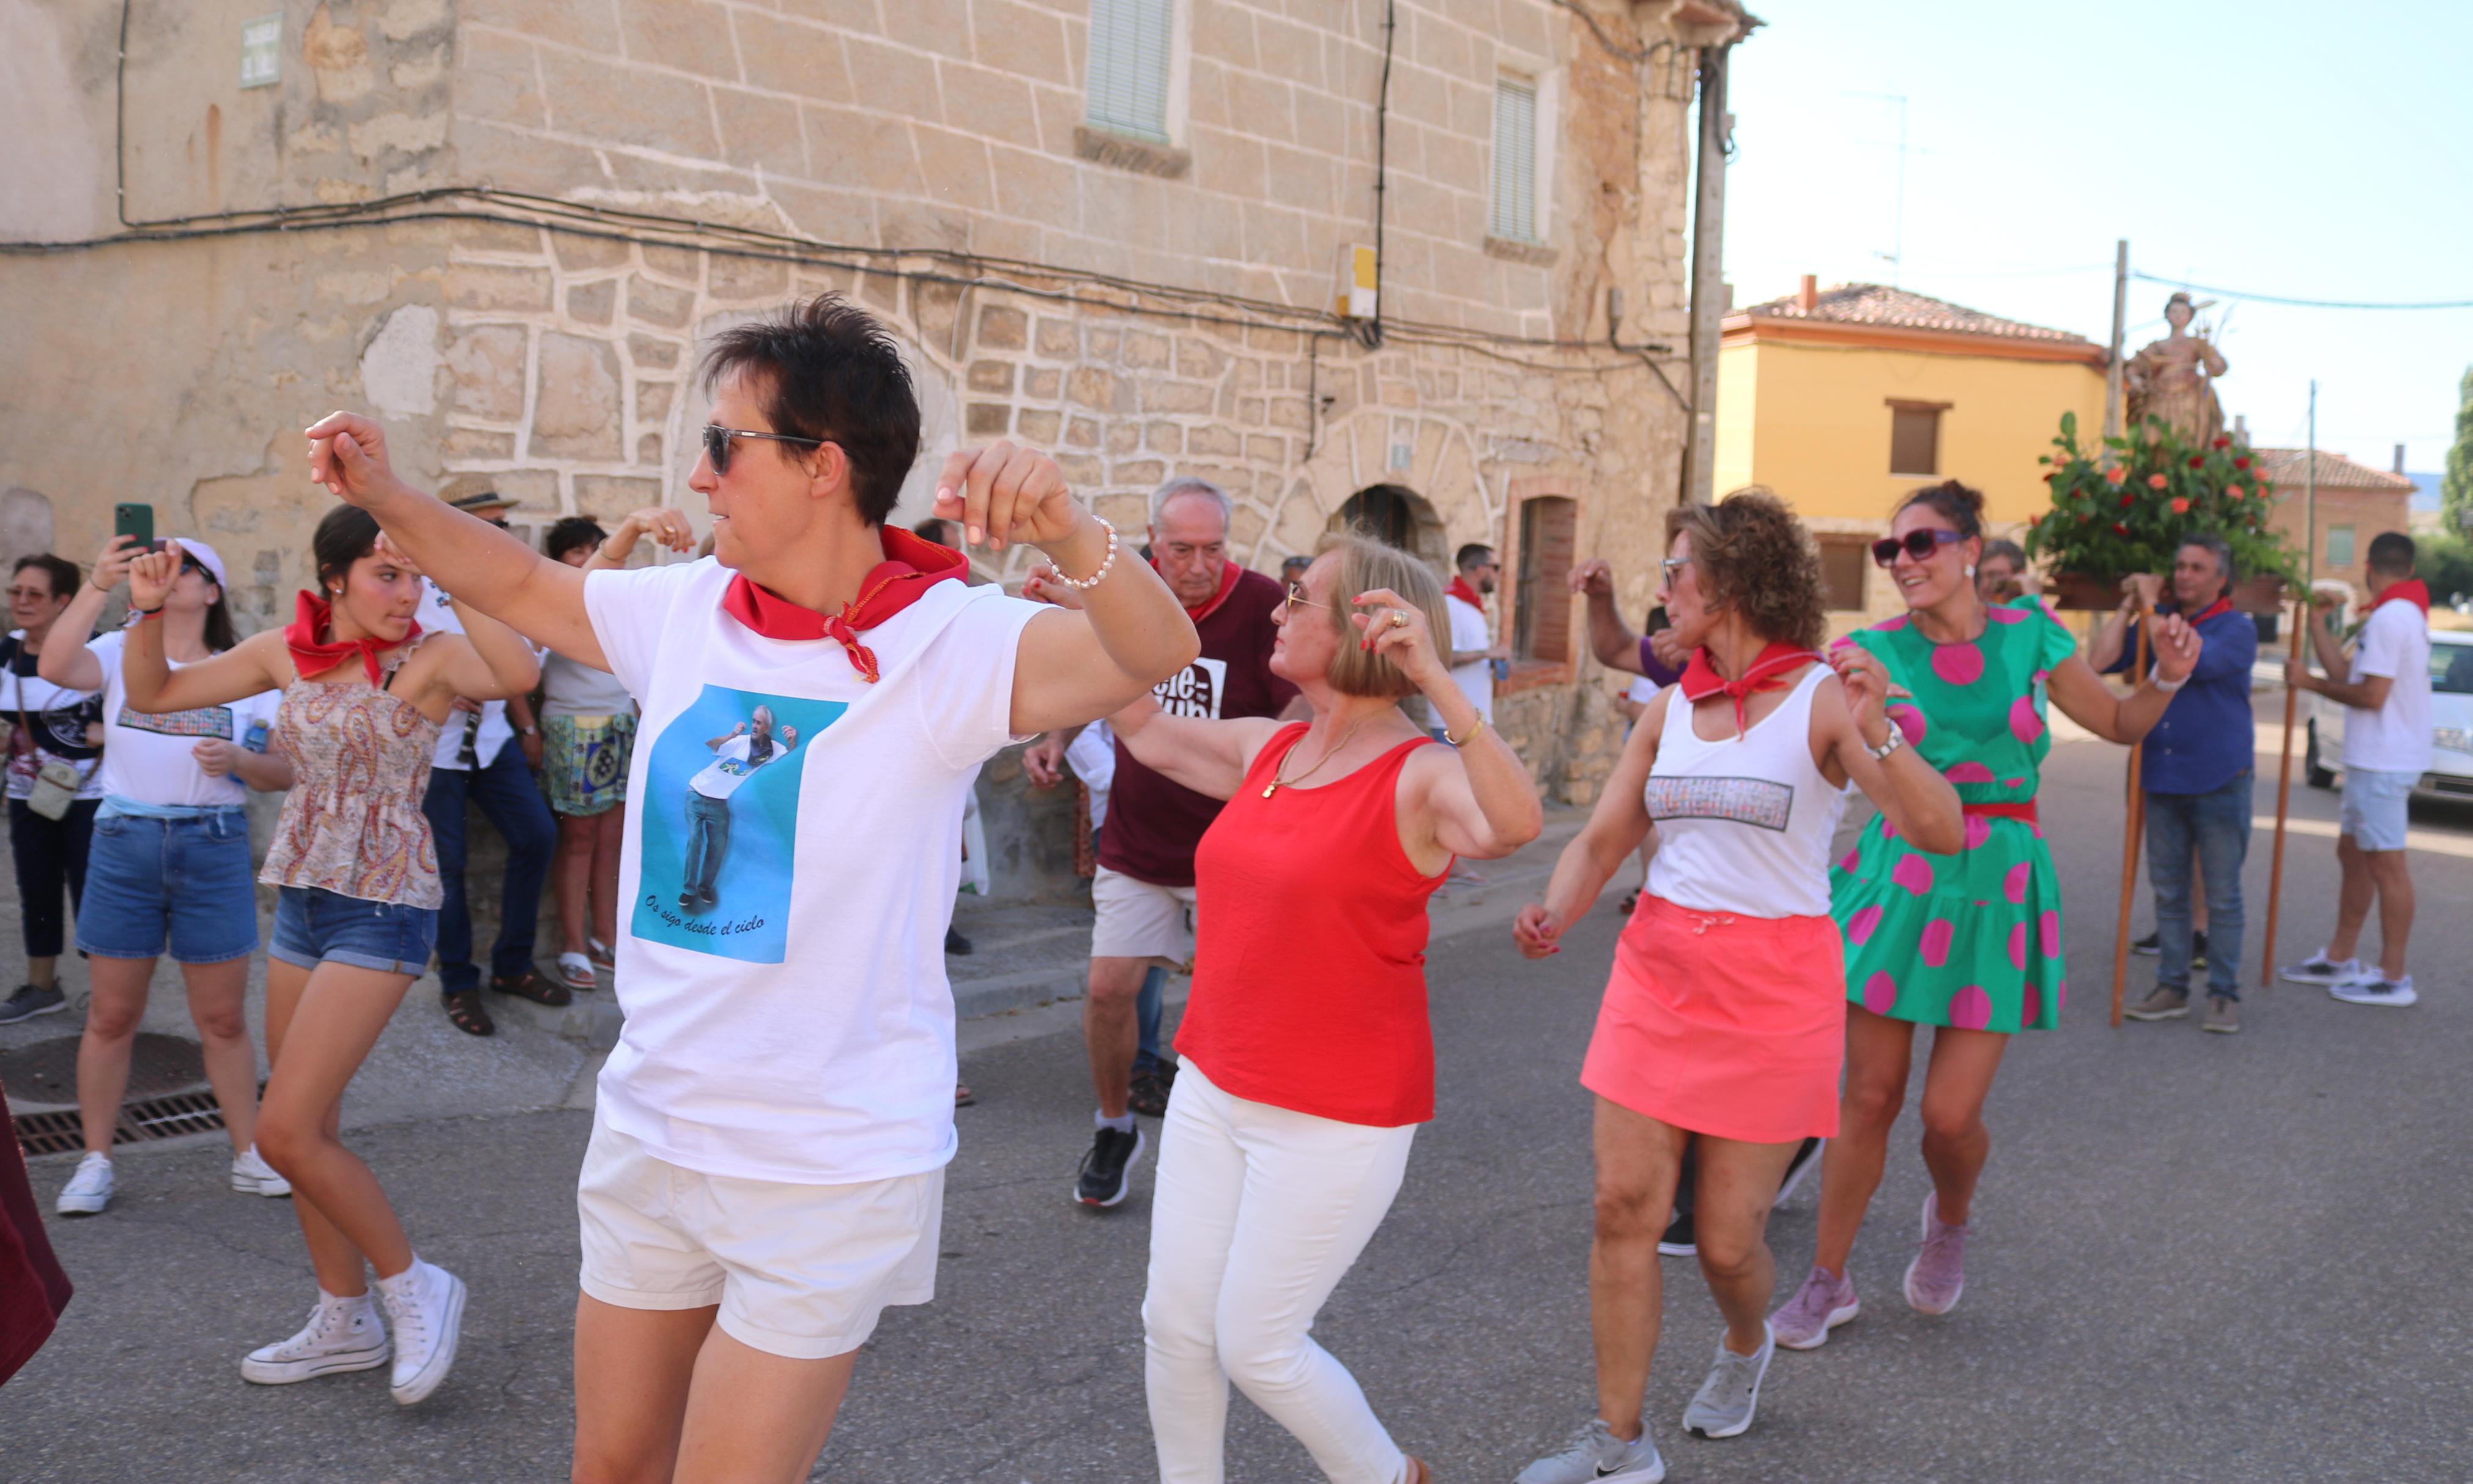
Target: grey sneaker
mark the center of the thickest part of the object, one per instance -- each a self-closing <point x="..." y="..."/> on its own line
<point x="2162" y="1005"/>
<point x="32" y="1000"/>
<point x="1937" y="1275"/>
<point x="1724" y="1404"/>
<point x="2223" y="1016"/>
<point x="1596" y="1456"/>
<point x="1823" y="1303"/>
<point x="2376" y="989"/>
<point x="2320" y="969"/>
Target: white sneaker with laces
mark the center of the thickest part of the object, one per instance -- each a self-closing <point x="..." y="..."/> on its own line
<point x="2377" y="989"/>
<point x="341" y="1334"/>
<point x="424" y="1307"/>
<point x="88" y="1190"/>
<point x="2320" y="969"/>
<point x="252" y="1175"/>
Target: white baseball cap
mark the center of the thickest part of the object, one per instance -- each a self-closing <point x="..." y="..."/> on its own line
<point x="206" y="557"/>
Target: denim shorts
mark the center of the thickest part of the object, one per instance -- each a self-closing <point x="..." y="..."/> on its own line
<point x="314" y="927"/>
<point x="2374" y="808"/>
<point x="185" y="882"/>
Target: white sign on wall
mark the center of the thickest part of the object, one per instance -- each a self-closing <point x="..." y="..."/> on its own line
<point x="261" y="51"/>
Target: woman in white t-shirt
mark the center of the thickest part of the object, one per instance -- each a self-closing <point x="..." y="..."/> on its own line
<point x="169" y="866"/>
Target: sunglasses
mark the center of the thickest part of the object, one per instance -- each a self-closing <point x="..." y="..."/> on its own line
<point x="717" y="446"/>
<point x="1918" y="544"/>
<point x="1670" y="565"/>
<point x="1297" y="598"/>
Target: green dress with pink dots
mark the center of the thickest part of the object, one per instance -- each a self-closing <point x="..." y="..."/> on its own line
<point x="1972" y="940"/>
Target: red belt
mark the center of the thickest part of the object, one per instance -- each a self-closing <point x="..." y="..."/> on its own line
<point x="2004" y="809"/>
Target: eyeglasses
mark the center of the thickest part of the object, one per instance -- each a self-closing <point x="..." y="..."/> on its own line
<point x="716" y="443"/>
<point x="1918" y="544"/>
<point x="1297" y="598"/>
<point x="1670" y="565"/>
<point x="44" y="594"/>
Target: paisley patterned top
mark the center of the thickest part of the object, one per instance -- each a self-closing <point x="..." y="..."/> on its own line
<point x="352" y="823"/>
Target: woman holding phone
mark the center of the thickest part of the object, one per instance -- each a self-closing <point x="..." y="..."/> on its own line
<point x="365" y="692"/>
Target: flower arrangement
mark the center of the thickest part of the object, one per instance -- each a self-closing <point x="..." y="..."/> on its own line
<point x="2127" y="504"/>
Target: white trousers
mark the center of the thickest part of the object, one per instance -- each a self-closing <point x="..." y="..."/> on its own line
<point x="1258" y="1214"/>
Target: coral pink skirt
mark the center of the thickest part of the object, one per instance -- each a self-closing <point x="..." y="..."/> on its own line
<point x="1726" y="1025"/>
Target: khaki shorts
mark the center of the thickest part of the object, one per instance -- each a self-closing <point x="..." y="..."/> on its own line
<point x="800" y="1271"/>
<point x="1138" y="919"/>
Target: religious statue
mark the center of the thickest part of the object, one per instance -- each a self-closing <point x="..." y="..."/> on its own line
<point x="2171" y="378"/>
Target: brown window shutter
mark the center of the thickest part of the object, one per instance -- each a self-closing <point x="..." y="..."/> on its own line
<point x="1914" y="437"/>
<point x="1549" y="531"/>
<point x="1842" y="561"/>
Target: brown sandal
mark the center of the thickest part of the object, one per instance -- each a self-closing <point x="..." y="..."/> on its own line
<point x="464" y="1008"/>
<point x="530" y="985"/>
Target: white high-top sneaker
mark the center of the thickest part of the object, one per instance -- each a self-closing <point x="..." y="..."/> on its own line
<point x="252" y="1175"/>
<point x="343" y="1335"/>
<point x="424" y="1307"/>
<point x="89" y="1189"/>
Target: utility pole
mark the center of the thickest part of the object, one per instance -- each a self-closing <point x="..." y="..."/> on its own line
<point x="2310" y="497"/>
<point x="1708" y="277"/>
<point x="2112" y="367"/>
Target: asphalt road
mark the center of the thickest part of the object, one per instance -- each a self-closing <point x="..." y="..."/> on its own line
<point x="2197" y="1257"/>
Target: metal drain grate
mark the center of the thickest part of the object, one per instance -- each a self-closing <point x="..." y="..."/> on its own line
<point x="141" y="1122"/>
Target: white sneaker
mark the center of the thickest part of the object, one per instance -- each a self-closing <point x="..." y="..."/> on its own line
<point x="252" y="1175"/>
<point x="2320" y="969"/>
<point x="343" y="1335"/>
<point x="2375" y="989"/>
<point x="88" y="1190"/>
<point x="424" y="1306"/>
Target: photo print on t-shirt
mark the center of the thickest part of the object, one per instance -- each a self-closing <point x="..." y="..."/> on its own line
<point x="213" y="720"/>
<point x="720" y="823"/>
<point x="1197" y="690"/>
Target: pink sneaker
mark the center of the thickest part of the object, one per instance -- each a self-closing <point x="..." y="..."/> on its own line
<point x="1938" y="1274"/>
<point x="1823" y="1303"/>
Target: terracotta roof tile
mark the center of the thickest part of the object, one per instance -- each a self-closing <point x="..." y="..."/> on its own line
<point x="1875" y="304"/>
<point x="2286" y="467"/>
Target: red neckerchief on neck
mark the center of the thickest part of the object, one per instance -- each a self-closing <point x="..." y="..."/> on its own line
<point x="911" y="565"/>
<point x="313" y="653"/>
<point x="1702" y="679"/>
<point x="2412" y="590"/>
<point x="2223" y="605"/>
<point x="1228" y="573"/>
<point x="1461" y="590"/>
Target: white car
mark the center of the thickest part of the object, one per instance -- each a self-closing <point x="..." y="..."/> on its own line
<point x="2451" y="722"/>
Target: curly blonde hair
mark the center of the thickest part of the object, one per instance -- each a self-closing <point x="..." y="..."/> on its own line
<point x="1757" y="562"/>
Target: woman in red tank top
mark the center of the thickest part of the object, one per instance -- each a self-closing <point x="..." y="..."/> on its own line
<point x="1289" y="1129"/>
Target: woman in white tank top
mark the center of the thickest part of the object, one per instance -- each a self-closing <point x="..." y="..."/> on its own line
<point x="1725" y="1014"/>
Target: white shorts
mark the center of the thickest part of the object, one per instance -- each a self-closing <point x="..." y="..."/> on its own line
<point x="800" y="1271"/>
<point x="1138" y="919"/>
<point x="2375" y="807"/>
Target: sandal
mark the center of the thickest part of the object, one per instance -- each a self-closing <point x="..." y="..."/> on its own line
<point x="575" y="972"/>
<point x="464" y="1007"/>
<point x="530" y="985"/>
<point x="962" y="1096"/>
<point x="603" y="955"/>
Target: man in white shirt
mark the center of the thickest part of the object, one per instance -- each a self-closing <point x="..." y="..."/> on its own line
<point x="2385" y="696"/>
<point x="766" y="1174"/>
<point x="1473" y="651"/>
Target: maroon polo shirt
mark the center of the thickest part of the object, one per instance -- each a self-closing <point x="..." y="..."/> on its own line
<point x="1154" y="824"/>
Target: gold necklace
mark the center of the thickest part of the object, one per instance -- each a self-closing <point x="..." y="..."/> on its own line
<point x="1278" y="782"/>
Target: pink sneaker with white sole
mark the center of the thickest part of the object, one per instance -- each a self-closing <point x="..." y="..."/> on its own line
<point x="1823" y="1303"/>
<point x="1938" y="1274"/>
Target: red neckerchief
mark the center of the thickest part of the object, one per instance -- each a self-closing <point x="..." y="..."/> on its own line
<point x="911" y="565"/>
<point x="2223" y="605"/>
<point x="1228" y="573"/>
<point x="2412" y="590"/>
<point x="1461" y="590"/>
<point x="313" y="654"/>
<point x="1702" y="679"/>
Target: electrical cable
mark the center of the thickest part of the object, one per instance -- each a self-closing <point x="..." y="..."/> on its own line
<point x="2304" y="303"/>
<point x="1371" y="336"/>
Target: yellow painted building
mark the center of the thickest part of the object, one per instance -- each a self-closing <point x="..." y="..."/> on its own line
<point x="1843" y="399"/>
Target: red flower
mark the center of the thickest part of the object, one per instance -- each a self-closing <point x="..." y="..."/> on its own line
<point x="2116" y="473"/>
<point x="2087" y="515"/>
<point x="2118" y="529"/>
<point x="2222" y="443"/>
<point x="2047" y="478"/>
<point x="2198" y="463"/>
<point x="2155" y="481"/>
<point x="2265" y="489"/>
<point x="2240" y="460"/>
<point x="2128" y="500"/>
<point x="2180" y="507"/>
<point x="2232" y="492"/>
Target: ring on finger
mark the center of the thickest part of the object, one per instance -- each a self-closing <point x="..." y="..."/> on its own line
<point x="1399" y="620"/>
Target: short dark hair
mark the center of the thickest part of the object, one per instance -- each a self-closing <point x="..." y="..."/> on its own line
<point x="344" y="534"/>
<point x="826" y="370"/>
<point x="2005" y="547"/>
<point x="570" y="531"/>
<point x="60" y="571"/>
<point x="933" y="529"/>
<point x="1953" y="502"/>
<point x="1470" y="554"/>
<point x="2217" y="547"/>
<point x="2393" y="551"/>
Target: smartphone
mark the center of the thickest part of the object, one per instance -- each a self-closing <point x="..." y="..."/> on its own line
<point x="137" y="520"/>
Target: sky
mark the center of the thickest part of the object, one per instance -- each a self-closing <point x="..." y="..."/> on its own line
<point x="2304" y="151"/>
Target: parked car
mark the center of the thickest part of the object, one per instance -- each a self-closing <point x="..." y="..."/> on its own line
<point x="2451" y="722"/>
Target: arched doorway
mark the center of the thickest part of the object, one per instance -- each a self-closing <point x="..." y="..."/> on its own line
<point x="1398" y="515"/>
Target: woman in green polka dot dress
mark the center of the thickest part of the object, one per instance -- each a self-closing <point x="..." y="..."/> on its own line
<point x="1968" y="943"/>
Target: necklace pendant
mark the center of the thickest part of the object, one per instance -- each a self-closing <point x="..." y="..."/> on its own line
<point x="1269" y="789"/>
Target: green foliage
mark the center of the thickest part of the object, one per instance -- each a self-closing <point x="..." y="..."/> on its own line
<point x="2159" y="491"/>
<point x="2445" y="565"/>
<point x="2455" y="485"/>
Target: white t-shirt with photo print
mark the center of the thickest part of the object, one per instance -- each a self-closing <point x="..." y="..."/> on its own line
<point x="796" y="1025"/>
<point x="153" y="760"/>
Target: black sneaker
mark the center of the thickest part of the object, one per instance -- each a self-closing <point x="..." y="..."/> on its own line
<point x="1107" y="1171"/>
<point x="1678" y="1242"/>
<point x="1150" y="1091"/>
<point x="956" y="944"/>
<point x="30" y="1001"/>
<point x="2149" y="947"/>
<point x="2199" y="949"/>
<point x="1807" y="1158"/>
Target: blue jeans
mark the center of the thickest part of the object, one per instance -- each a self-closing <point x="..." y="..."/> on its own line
<point x="1146" y="1015"/>
<point x="512" y="803"/>
<point x="183" y="882"/>
<point x="314" y="927"/>
<point x="707" y="847"/>
<point x="2214" y="830"/>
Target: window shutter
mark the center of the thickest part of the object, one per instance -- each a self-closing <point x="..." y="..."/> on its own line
<point x="1129" y="63"/>
<point x="1914" y="439"/>
<point x="1515" y="160"/>
<point x="1541" y="603"/>
<point x="1842" y="562"/>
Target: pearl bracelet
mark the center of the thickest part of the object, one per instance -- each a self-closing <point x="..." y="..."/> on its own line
<point x="1086" y="584"/>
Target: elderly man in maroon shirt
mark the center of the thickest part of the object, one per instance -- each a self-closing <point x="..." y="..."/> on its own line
<point x="1144" y="889"/>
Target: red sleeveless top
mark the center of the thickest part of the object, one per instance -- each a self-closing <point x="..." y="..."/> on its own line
<point x="1309" y="947"/>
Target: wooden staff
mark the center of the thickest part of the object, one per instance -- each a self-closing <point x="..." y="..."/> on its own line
<point x="2132" y="838"/>
<point x="2283" y="797"/>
